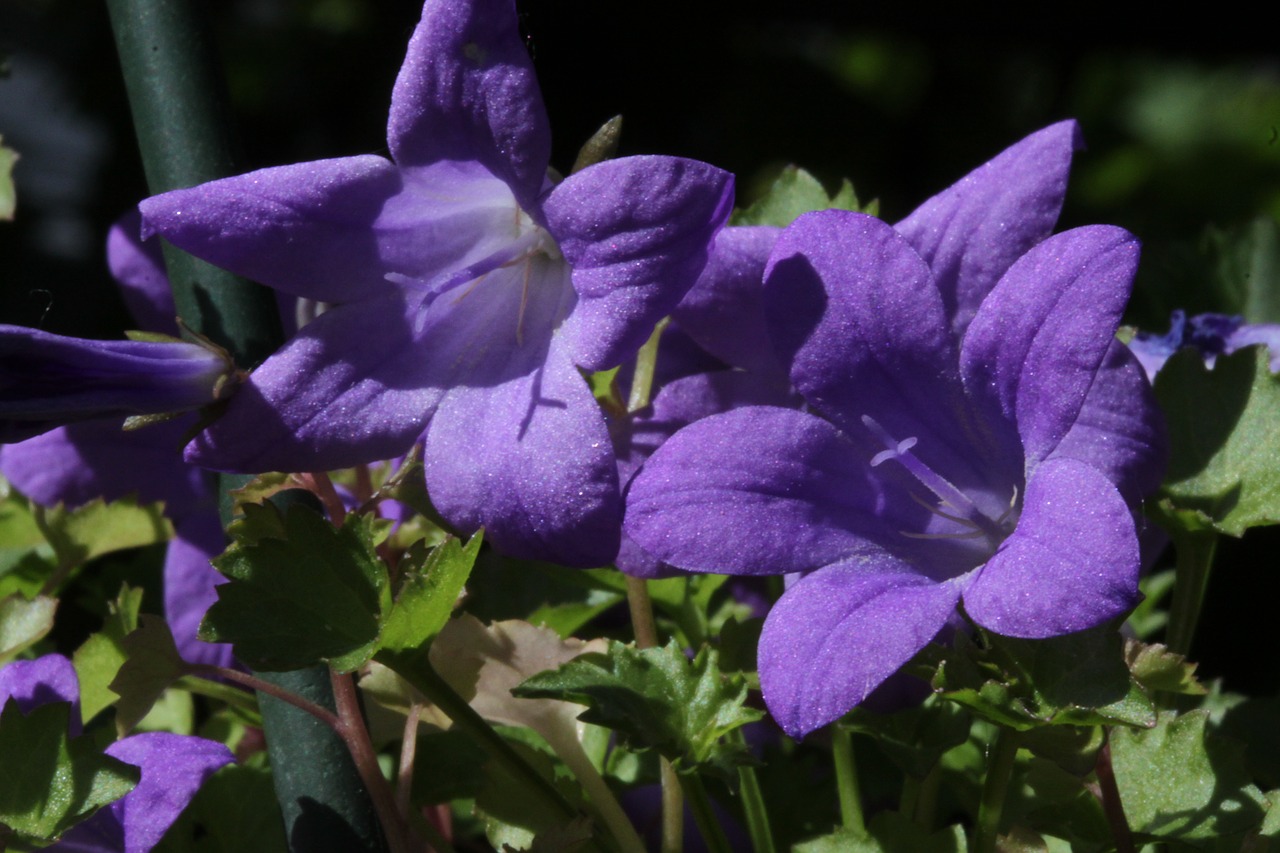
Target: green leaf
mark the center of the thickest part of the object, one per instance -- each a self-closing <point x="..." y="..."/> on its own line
<point x="1178" y="782"/>
<point x="1157" y="668"/>
<point x="152" y="664"/>
<point x="100" y="657"/>
<point x="8" y="196"/>
<point x="888" y="832"/>
<point x="96" y="528"/>
<point x="656" y="699"/>
<point x="51" y="782"/>
<point x="794" y="192"/>
<point x="916" y="738"/>
<point x="1246" y="270"/>
<point x="20" y="536"/>
<point x="234" y="810"/>
<point x="1224" y="434"/>
<point x="301" y="592"/>
<point x="23" y="622"/>
<point x="433" y="580"/>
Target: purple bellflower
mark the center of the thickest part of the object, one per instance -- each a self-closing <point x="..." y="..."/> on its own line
<point x="1212" y="334"/>
<point x="173" y="766"/>
<point x="975" y="434"/>
<point x="48" y="380"/>
<point x="466" y="289"/>
<point x="77" y="463"/>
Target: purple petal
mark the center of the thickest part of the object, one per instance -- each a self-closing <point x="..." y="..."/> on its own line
<point x="529" y="459"/>
<point x="1120" y="430"/>
<point x="724" y="310"/>
<point x="973" y="231"/>
<point x="308" y="229"/>
<point x="139" y="268"/>
<point x="173" y="769"/>
<point x="757" y="490"/>
<point x="637" y="232"/>
<point x="353" y="386"/>
<point x="32" y="683"/>
<point x="189" y="582"/>
<point x="1036" y="345"/>
<point x="1267" y="334"/>
<point x="467" y="92"/>
<point x="839" y="632"/>
<point x="1072" y="562"/>
<point x="80" y="462"/>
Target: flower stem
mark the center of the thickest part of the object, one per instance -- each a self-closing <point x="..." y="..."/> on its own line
<point x="1000" y="761"/>
<point x="642" y="378"/>
<point x="1112" y="807"/>
<point x="1195" y="549"/>
<point x="695" y="793"/>
<point x="846" y="779"/>
<point x="753" y="805"/>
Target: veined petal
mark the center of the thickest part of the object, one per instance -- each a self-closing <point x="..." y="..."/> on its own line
<point x="1120" y="430"/>
<point x="308" y="229"/>
<point x="637" y="232"/>
<point x="1037" y="343"/>
<point x="756" y="491"/>
<point x="724" y="310"/>
<point x="354" y="386"/>
<point x="189" y="582"/>
<point x="467" y="92"/>
<point x="1072" y="562"/>
<point x="838" y="633"/>
<point x="972" y="232"/>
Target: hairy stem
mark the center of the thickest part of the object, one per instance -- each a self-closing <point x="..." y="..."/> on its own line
<point x="1112" y="807"/>
<point x="1000" y="761"/>
<point x="846" y="779"/>
<point x="753" y="805"/>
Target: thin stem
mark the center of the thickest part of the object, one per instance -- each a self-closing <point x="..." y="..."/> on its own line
<point x="1000" y="761"/>
<point x="1195" y="550"/>
<point x="846" y="779"/>
<point x="703" y="814"/>
<point x="920" y="797"/>
<point x="435" y="838"/>
<point x="753" y="805"/>
<point x="241" y="700"/>
<point x="1112" y="807"/>
<point x="408" y="752"/>
<point x="570" y="751"/>
<point x="356" y="736"/>
<point x="641" y="605"/>
<point x="320" y="483"/>
<point x="642" y="378"/>
<point x="253" y="682"/>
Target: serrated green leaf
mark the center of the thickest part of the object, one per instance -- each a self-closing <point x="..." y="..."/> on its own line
<point x="656" y="699"/>
<point x="888" y="832"/>
<point x="20" y="535"/>
<point x="433" y="580"/>
<point x="96" y="528"/>
<point x="234" y="810"/>
<point x="318" y="595"/>
<point x="914" y="739"/>
<point x="793" y="193"/>
<point x="23" y="622"/>
<point x="1224" y="438"/>
<point x="51" y="781"/>
<point x="152" y="664"/>
<point x="1178" y="782"/>
<point x="99" y="658"/>
<point x="1157" y="668"/>
<point x="8" y="196"/>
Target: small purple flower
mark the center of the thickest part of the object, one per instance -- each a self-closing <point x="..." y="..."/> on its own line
<point x="975" y="434"/>
<point x="173" y="766"/>
<point x="467" y="291"/>
<point x="49" y="380"/>
<point x="1212" y="334"/>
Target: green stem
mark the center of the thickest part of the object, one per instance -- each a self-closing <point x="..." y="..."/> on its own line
<point x="920" y="797"/>
<point x="1195" y="550"/>
<point x="642" y="378"/>
<point x="753" y="805"/>
<point x="241" y="700"/>
<point x="995" y="789"/>
<point x="846" y="779"/>
<point x="606" y="805"/>
<point x="703" y="815"/>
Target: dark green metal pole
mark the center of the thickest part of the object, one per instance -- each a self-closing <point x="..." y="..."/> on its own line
<point x="176" y="93"/>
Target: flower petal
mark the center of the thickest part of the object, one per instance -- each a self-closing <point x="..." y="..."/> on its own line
<point x="173" y="769"/>
<point x="139" y="268"/>
<point x="1037" y="343"/>
<point x="1072" y="562"/>
<point x="308" y="229"/>
<point x="354" y="386"/>
<point x="838" y="633"/>
<point x="756" y="491"/>
<point x="972" y="232"/>
<point x="637" y="232"/>
<point x="467" y="92"/>
<point x="189" y="582"/>
<point x="724" y="310"/>
<point x="32" y="683"/>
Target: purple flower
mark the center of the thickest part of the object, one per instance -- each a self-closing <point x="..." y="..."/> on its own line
<point x="1212" y="334"/>
<point x="173" y="766"/>
<point x="49" y="380"/>
<point x="976" y="434"/>
<point x="467" y="291"/>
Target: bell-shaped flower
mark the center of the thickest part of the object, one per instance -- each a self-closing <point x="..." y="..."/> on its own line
<point x="975" y="435"/>
<point x="173" y="766"/>
<point x="49" y="380"/>
<point x="466" y="289"/>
